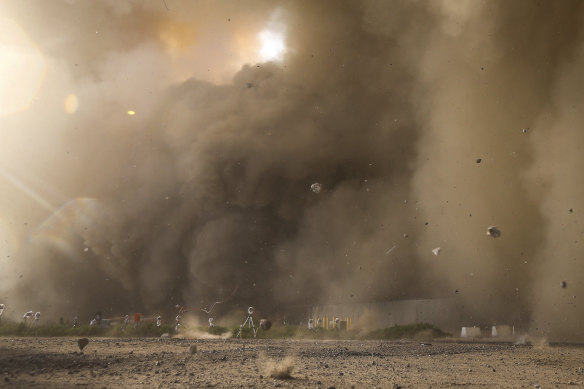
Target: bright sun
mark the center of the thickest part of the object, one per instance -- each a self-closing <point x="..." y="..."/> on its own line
<point x="273" y="47"/>
<point x="22" y="68"/>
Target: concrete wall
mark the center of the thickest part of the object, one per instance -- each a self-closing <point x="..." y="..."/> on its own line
<point x="439" y="312"/>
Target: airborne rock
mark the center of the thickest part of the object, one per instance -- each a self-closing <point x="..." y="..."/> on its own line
<point x="265" y="324"/>
<point x="82" y="343"/>
<point x="493" y="231"/>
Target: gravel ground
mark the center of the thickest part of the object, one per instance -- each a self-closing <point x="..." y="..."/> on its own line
<point x="129" y="363"/>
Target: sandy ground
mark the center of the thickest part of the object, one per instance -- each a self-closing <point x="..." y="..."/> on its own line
<point x="129" y="363"/>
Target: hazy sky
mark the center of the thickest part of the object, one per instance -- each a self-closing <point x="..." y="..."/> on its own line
<point x="163" y="152"/>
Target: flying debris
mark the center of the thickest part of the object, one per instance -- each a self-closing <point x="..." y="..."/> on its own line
<point x="390" y="250"/>
<point x="97" y="318"/>
<point x="564" y="284"/>
<point x="265" y="324"/>
<point x="208" y="311"/>
<point x="493" y="231"/>
<point x="82" y="343"/>
<point x="524" y="130"/>
<point x="316" y="187"/>
<point x="181" y="310"/>
<point x="479" y="160"/>
<point x="137" y="317"/>
<point x="436" y="251"/>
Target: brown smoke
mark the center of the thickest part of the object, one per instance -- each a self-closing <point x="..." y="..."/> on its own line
<point x="204" y="195"/>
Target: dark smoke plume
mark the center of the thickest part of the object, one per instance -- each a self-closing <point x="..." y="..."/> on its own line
<point x="205" y="193"/>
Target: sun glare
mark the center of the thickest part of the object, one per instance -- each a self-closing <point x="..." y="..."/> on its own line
<point x="273" y="47"/>
<point x="22" y="68"/>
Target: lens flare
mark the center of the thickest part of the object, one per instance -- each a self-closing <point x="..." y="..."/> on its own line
<point x="71" y="223"/>
<point x="71" y="103"/>
<point x="28" y="191"/>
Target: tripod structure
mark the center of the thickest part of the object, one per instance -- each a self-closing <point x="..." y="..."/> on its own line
<point x="249" y="322"/>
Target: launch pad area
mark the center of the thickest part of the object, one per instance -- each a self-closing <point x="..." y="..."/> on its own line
<point x="262" y="363"/>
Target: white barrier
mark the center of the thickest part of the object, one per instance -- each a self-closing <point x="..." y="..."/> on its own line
<point x="502" y="331"/>
<point x="470" y="332"/>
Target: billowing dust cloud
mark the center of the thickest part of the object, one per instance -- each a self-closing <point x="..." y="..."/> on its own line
<point x="167" y="156"/>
